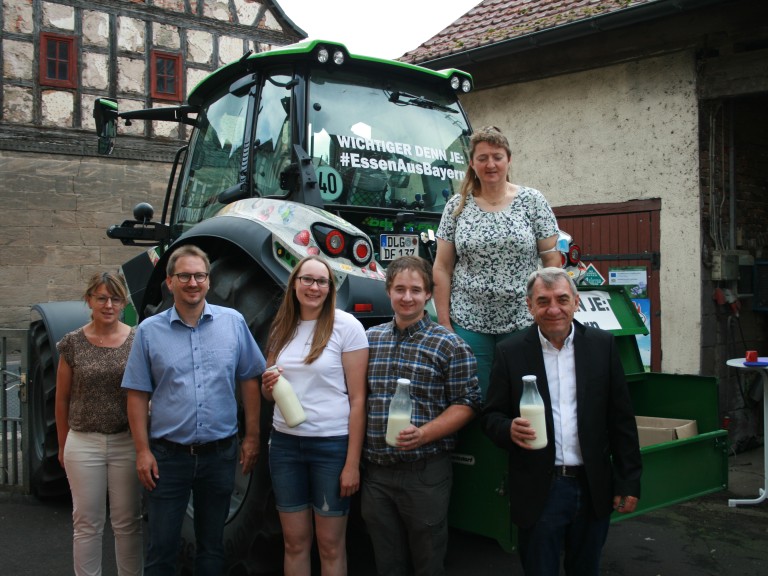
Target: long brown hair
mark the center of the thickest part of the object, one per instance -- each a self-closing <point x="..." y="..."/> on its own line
<point x="288" y="316"/>
<point x="471" y="185"/>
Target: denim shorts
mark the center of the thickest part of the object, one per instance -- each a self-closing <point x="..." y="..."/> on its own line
<point x="306" y="472"/>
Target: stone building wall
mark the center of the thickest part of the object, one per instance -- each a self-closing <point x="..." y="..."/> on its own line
<point x="58" y="196"/>
<point x="56" y="211"/>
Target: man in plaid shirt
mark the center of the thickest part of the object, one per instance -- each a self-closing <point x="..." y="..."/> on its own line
<point x="406" y="489"/>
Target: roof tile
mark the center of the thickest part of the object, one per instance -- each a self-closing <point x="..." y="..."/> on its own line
<point x="493" y="21"/>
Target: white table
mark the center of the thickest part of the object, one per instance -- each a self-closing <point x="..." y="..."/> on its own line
<point x="763" y="370"/>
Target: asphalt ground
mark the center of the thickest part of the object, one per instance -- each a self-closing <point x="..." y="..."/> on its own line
<point x="702" y="537"/>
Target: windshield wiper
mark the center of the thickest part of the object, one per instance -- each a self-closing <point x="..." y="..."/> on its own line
<point x="420" y="101"/>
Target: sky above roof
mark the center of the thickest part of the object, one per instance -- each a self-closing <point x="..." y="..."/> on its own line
<point x="385" y="30"/>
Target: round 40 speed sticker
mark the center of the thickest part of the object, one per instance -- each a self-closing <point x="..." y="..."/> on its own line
<point x="330" y="183"/>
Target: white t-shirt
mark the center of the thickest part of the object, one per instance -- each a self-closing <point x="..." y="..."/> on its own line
<point x="320" y="386"/>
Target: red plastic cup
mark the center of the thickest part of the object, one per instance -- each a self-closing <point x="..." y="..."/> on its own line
<point x="751" y="355"/>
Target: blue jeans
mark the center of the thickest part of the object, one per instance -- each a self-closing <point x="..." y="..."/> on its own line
<point x="568" y="523"/>
<point x="306" y="471"/>
<point x="210" y="478"/>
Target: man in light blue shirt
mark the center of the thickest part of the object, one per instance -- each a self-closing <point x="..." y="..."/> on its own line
<point x="188" y="360"/>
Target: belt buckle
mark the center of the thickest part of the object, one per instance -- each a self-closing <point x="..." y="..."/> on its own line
<point x="192" y="450"/>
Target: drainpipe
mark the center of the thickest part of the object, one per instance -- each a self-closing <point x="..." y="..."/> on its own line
<point x="731" y="179"/>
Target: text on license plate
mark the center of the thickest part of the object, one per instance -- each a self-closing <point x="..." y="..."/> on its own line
<point x="396" y="245"/>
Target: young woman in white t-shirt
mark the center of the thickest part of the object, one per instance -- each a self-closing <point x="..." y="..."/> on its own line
<point x="315" y="466"/>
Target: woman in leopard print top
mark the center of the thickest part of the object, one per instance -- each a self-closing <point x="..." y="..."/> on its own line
<point x="95" y="445"/>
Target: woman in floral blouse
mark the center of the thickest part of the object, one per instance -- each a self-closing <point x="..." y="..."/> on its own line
<point x="490" y="239"/>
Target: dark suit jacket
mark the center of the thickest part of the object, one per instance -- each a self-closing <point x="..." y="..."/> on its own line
<point x="607" y="428"/>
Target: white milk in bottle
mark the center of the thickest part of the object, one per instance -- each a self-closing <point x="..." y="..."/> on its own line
<point x="399" y="411"/>
<point x="532" y="409"/>
<point x="286" y="399"/>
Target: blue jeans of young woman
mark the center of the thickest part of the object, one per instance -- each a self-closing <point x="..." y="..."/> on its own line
<point x="210" y="479"/>
<point x="306" y="471"/>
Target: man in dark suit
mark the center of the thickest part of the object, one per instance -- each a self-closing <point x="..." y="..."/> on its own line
<point x="562" y="496"/>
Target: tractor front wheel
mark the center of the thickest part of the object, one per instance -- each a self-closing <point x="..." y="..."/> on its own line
<point x="47" y="478"/>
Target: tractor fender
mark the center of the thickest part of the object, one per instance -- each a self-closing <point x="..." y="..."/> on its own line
<point x="214" y="234"/>
<point x="60" y="318"/>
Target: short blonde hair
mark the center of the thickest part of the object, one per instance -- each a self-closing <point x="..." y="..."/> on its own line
<point x="114" y="284"/>
<point x="186" y="250"/>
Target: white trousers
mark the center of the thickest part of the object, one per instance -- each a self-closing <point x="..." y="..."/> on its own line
<point x="100" y="466"/>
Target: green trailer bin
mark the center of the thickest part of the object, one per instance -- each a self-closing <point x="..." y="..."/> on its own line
<point x="674" y="469"/>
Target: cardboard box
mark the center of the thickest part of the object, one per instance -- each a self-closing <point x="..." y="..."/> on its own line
<point x="657" y="430"/>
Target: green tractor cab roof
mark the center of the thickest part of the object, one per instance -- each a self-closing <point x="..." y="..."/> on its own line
<point x="330" y="54"/>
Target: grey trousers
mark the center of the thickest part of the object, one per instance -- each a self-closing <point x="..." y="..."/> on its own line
<point x="405" y="508"/>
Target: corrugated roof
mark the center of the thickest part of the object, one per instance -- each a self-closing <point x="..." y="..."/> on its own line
<point x="493" y="21"/>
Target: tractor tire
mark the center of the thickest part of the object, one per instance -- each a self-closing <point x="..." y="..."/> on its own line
<point x="252" y="540"/>
<point x="48" y="479"/>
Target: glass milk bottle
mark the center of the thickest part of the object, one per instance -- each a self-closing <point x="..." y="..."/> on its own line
<point x="287" y="401"/>
<point x="532" y="409"/>
<point x="399" y="411"/>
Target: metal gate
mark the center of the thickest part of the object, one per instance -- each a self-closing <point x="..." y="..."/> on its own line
<point x="14" y="469"/>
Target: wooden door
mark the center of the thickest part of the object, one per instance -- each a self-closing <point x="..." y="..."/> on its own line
<point x="621" y="234"/>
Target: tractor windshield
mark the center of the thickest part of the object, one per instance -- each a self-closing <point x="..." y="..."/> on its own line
<point x="379" y="142"/>
<point x="375" y="142"/>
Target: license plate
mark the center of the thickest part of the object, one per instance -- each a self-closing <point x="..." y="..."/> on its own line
<point x="396" y="245"/>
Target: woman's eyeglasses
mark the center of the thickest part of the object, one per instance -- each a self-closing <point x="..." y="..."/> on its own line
<point x="102" y="300"/>
<point x="185" y="277"/>
<point x="308" y="281"/>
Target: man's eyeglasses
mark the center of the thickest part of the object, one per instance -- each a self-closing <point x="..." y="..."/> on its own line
<point x="102" y="300"/>
<point x="308" y="281"/>
<point x="185" y="277"/>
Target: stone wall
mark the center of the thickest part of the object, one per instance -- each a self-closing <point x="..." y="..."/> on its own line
<point x="56" y="211"/>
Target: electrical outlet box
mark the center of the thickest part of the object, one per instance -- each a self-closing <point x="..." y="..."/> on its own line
<point x="725" y="263"/>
